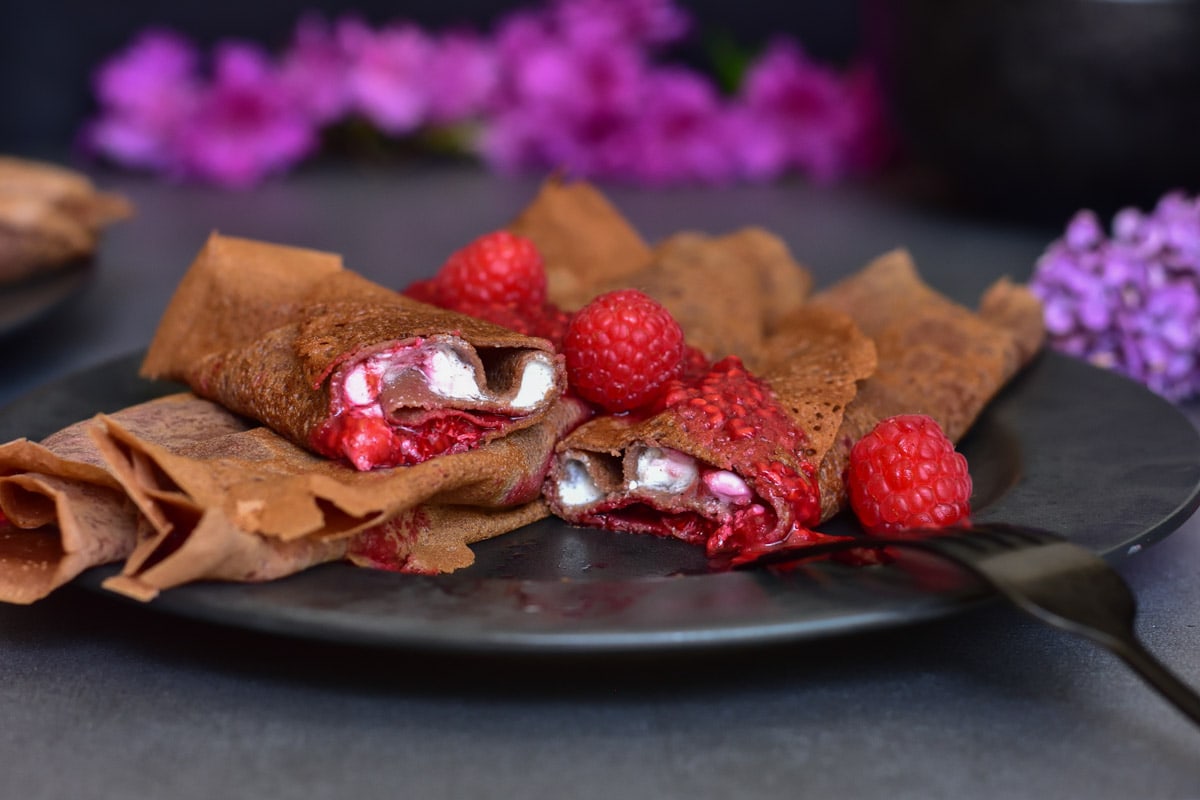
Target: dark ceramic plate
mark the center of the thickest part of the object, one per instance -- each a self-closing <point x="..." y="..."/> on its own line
<point x="1066" y="446"/>
<point x="23" y="302"/>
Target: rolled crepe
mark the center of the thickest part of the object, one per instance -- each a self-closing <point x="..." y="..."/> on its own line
<point x="50" y="216"/>
<point x="342" y="366"/>
<point x="61" y="512"/>
<point x="227" y="499"/>
<point x="879" y="343"/>
<point x="731" y="462"/>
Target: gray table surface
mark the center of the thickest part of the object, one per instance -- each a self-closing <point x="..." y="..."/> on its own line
<point x="108" y="700"/>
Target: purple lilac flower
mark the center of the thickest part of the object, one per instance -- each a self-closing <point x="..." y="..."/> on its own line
<point x="1129" y="301"/>
<point x="389" y="74"/>
<point x="244" y="125"/>
<point x="146" y="94"/>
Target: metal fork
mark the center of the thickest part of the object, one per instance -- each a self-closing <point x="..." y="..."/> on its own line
<point x="1060" y="583"/>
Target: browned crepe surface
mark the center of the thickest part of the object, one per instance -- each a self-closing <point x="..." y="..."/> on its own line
<point x="49" y="216"/>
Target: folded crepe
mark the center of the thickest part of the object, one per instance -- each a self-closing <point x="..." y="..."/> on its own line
<point x="49" y="216"/>
<point x="936" y="357"/>
<point x="727" y="292"/>
<point x="342" y="366"/>
<point x="227" y="499"/>
<point x="61" y="512"/>
<point x="879" y="343"/>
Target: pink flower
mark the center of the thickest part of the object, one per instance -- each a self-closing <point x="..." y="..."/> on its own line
<point x="314" y="70"/>
<point x="146" y="94"/>
<point x="462" y="76"/>
<point x="681" y="136"/>
<point x="650" y="22"/>
<point x="244" y="125"/>
<point x="805" y="113"/>
<point x="389" y="74"/>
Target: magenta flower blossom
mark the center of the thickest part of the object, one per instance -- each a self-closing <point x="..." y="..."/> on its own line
<point x="147" y="93"/>
<point x="315" y="70"/>
<point x="806" y="115"/>
<point x="463" y="78"/>
<point x="640" y="22"/>
<point x="389" y="74"/>
<point x="572" y="84"/>
<point x="1129" y="302"/>
<point x="245" y="125"/>
<point x="681" y="135"/>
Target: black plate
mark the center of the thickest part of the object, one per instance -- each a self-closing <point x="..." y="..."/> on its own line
<point x="23" y="302"/>
<point x="1066" y="446"/>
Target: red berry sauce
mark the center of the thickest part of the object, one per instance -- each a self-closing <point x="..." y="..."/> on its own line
<point x="388" y="545"/>
<point x="369" y="442"/>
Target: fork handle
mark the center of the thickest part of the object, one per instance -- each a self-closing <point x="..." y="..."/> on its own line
<point x="1133" y="653"/>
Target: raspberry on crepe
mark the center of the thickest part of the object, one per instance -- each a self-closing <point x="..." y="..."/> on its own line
<point x="347" y="368"/>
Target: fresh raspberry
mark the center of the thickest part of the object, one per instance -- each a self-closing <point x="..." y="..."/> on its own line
<point x="497" y="269"/>
<point x="622" y="349"/>
<point x="906" y="474"/>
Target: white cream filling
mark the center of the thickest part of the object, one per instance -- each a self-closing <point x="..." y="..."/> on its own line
<point x="576" y="487"/>
<point x="446" y="374"/>
<point x="450" y="376"/>
<point x="537" y="381"/>
<point x="662" y="469"/>
<point x="357" y="387"/>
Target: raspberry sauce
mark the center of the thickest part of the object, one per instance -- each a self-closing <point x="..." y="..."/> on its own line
<point x="370" y="442"/>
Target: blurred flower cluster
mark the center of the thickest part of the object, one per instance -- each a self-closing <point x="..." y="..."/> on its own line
<point x="577" y="85"/>
<point x="1129" y="300"/>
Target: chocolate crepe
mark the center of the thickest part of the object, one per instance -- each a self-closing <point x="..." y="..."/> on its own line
<point x="924" y="354"/>
<point x="49" y="216"/>
<point x="227" y="499"/>
<point x="342" y="366"/>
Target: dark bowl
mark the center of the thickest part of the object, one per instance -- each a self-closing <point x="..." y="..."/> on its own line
<point x="1039" y="107"/>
